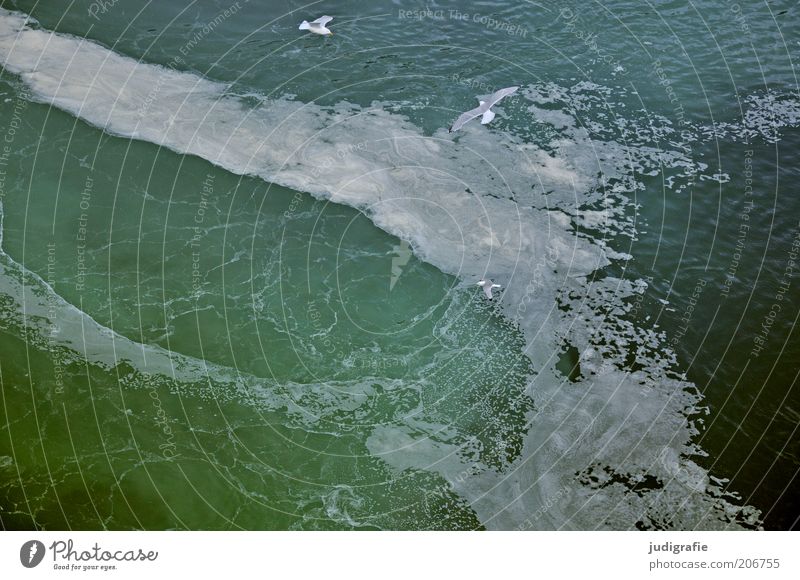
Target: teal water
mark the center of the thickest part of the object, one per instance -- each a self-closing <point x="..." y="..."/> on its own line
<point x="237" y="278"/>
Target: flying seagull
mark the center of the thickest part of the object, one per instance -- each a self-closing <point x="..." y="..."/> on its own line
<point x="317" y="26"/>
<point x="487" y="286"/>
<point x="484" y="110"/>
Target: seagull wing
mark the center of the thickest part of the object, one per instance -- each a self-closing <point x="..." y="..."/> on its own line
<point x="468" y="116"/>
<point x="487" y="289"/>
<point x="322" y="20"/>
<point x="502" y="93"/>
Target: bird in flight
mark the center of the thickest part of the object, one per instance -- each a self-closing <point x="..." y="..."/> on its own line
<point x="488" y="286"/>
<point x="317" y="26"/>
<point x="484" y="109"/>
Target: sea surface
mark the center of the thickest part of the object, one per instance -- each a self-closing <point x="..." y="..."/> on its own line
<point x="238" y="265"/>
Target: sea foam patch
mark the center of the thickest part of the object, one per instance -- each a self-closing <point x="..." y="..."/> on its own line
<point x="601" y="451"/>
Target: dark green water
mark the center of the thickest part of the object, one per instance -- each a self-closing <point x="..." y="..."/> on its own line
<point x="244" y="298"/>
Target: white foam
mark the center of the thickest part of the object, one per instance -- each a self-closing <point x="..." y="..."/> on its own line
<point x="482" y="203"/>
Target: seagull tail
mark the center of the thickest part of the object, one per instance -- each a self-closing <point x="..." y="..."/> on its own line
<point x="304" y="25"/>
<point x="487" y="117"/>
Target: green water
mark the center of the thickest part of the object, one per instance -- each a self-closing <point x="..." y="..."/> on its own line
<point x="306" y="328"/>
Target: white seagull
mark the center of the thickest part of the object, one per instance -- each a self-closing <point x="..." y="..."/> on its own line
<point x="487" y="286"/>
<point x="317" y="26"/>
<point x="484" y="110"/>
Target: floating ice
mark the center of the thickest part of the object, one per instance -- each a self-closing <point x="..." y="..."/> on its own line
<point x="611" y="449"/>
